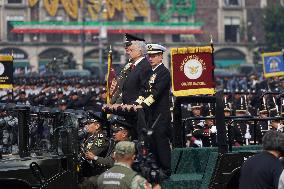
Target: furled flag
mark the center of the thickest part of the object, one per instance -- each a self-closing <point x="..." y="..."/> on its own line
<point x="111" y="78"/>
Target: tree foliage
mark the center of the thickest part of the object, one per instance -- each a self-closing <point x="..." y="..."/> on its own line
<point x="273" y="21"/>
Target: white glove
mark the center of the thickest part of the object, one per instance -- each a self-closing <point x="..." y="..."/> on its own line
<point x="213" y="129"/>
<point x="247" y="136"/>
<point x="198" y="143"/>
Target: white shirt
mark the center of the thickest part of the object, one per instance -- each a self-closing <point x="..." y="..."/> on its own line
<point x="157" y="66"/>
<point x="137" y="61"/>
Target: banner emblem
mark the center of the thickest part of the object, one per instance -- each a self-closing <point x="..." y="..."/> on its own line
<point x="193" y="68"/>
<point x="6" y="72"/>
<point x="2" y="68"/>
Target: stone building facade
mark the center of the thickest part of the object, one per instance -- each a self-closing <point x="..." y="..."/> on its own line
<point x="38" y="37"/>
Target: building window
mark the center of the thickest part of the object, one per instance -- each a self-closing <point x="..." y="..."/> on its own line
<point x="139" y="19"/>
<point x="180" y="19"/>
<point x="232" y="29"/>
<point x="176" y="38"/>
<point x="15" y="1"/>
<point x="74" y="38"/>
<point x="13" y="36"/>
<point x="34" y="37"/>
<point x="54" y="38"/>
<point x="232" y="2"/>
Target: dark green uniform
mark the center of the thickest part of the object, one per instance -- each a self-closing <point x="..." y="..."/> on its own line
<point x="120" y="176"/>
<point x="98" y="145"/>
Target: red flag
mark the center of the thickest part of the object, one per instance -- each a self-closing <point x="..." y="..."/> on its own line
<point x="111" y="78"/>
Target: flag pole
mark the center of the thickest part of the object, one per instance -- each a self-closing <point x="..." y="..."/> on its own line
<point x="109" y="62"/>
<point x="213" y="61"/>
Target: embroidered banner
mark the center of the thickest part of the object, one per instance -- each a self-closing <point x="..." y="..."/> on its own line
<point x="192" y="71"/>
<point x="6" y="72"/>
<point x="273" y="64"/>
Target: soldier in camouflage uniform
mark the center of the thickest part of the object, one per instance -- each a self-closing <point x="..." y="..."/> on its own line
<point x="96" y="143"/>
<point x="121" y="175"/>
<point x="120" y="133"/>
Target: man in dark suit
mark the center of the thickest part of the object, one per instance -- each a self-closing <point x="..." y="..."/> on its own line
<point x="134" y="83"/>
<point x="140" y="70"/>
<point x="117" y="97"/>
<point x="155" y="102"/>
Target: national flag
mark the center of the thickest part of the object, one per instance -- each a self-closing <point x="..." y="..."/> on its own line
<point x="111" y="78"/>
<point x="273" y="64"/>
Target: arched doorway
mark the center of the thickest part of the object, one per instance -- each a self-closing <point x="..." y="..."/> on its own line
<point x="20" y="57"/>
<point x="59" y="55"/>
<point x="92" y="62"/>
<point x="92" y="57"/>
<point x="229" y="58"/>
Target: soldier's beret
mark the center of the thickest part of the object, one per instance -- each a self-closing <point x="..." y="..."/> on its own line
<point x="155" y="48"/>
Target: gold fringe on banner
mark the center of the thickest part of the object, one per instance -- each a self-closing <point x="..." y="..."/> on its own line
<point x="32" y="3"/>
<point x="6" y="58"/>
<point x="191" y="92"/>
<point x="51" y="6"/>
<point x="6" y="86"/>
<point x="185" y="50"/>
<point x="71" y="7"/>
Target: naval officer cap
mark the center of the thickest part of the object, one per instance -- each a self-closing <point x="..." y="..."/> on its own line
<point x="155" y="48"/>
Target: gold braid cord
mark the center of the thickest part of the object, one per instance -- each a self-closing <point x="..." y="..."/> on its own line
<point x="141" y="7"/>
<point x="32" y="2"/>
<point x="71" y="7"/>
<point x="185" y="50"/>
<point x="51" y="6"/>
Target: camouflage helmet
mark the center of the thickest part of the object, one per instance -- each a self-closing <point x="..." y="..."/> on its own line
<point x="125" y="148"/>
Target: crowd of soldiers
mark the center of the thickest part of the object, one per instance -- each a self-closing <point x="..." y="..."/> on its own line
<point x="246" y="100"/>
<point x="87" y="93"/>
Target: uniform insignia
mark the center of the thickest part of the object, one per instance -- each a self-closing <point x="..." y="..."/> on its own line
<point x="89" y="145"/>
<point x="149" y="100"/>
<point x="99" y="142"/>
<point x="127" y="66"/>
<point x="152" y="78"/>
